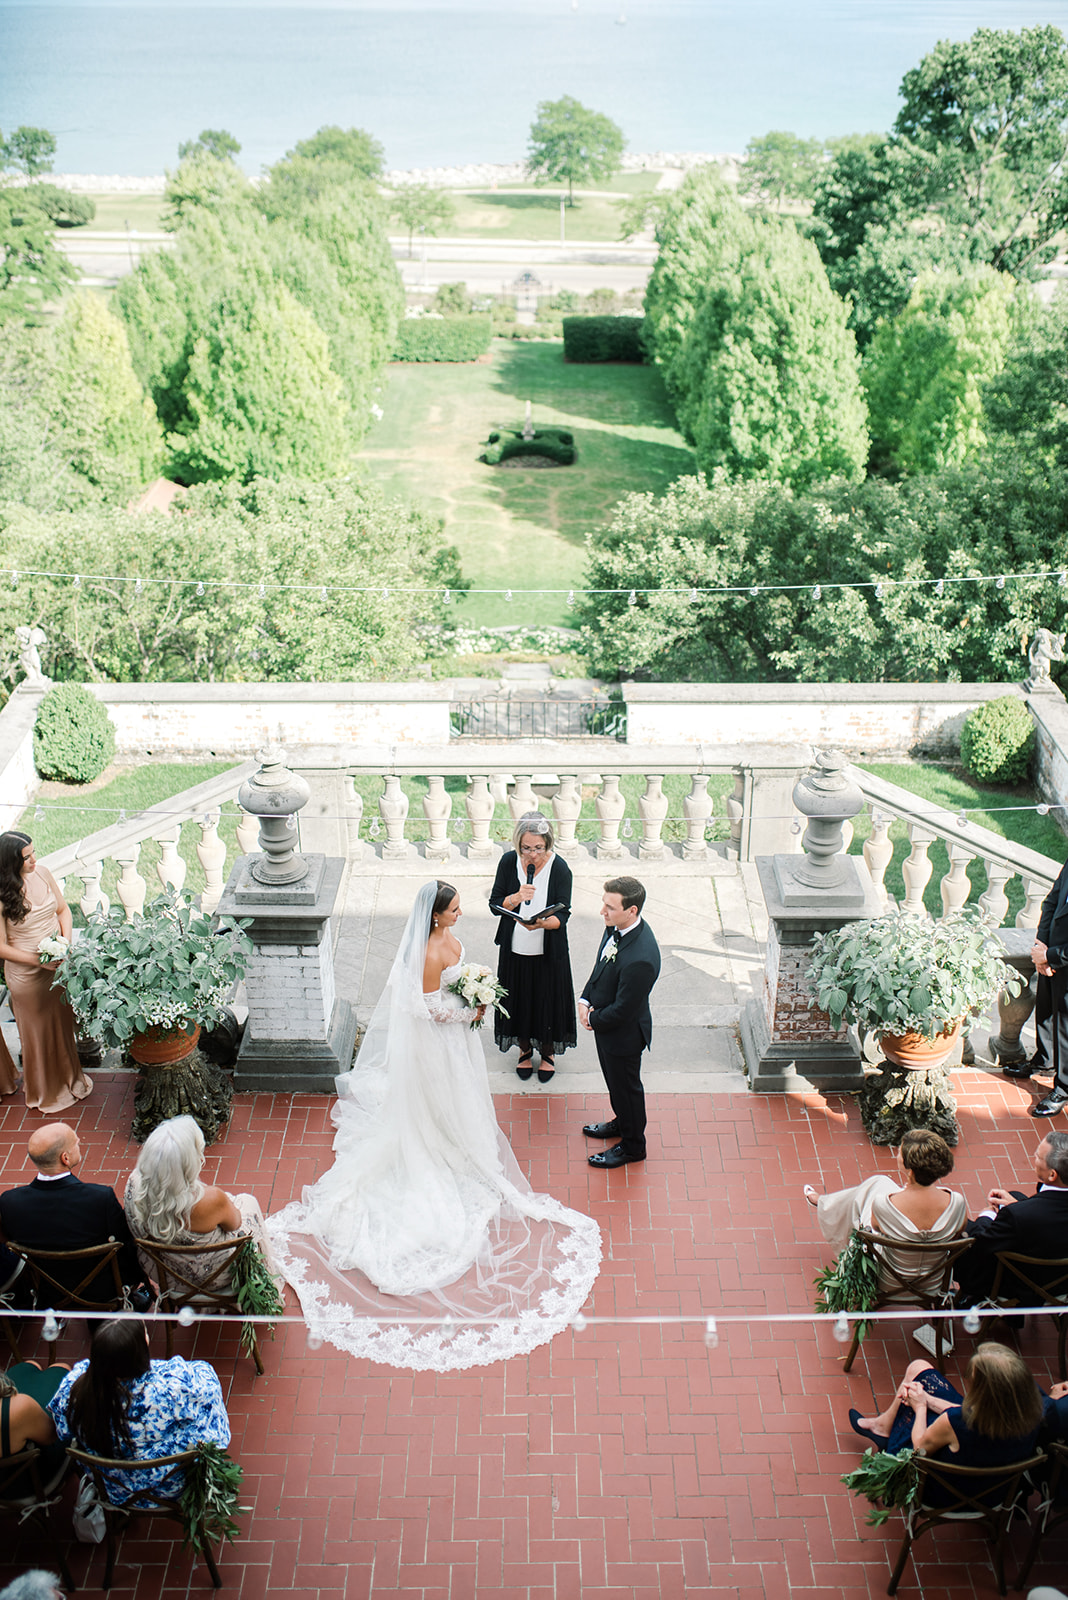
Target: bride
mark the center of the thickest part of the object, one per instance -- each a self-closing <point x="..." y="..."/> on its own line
<point x="424" y="1245"/>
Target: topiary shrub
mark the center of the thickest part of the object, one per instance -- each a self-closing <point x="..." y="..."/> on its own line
<point x="73" y="737"/>
<point x="442" y="338"/>
<point x="603" y="339"/>
<point x="555" y="444"/>
<point x="998" y="740"/>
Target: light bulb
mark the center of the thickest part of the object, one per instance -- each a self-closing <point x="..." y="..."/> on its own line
<point x="50" y="1331"/>
<point x="711" y="1333"/>
<point x="1000" y="583"/>
<point x="632" y="598"/>
<point x="447" y="597"/>
<point x="1043" y="809"/>
<point x="187" y="1316"/>
<point x="314" y="1342"/>
<point x="374" y="830"/>
<point x="38" y="813"/>
<point x="448" y="1328"/>
<point x="753" y="589"/>
<point x="817" y="593"/>
<point x="508" y="595"/>
<point x="122" y="816"/>
<point x="878" y="591"/>
<point x="385" y="594"/>
<point x="14" y="580"/>
<point x="840" y="1328"/>
<point x="138" y="586"/>
<point x="263" y="590"/>
<point x="795" y="826"/>
<point x="200" y="587"/>
<point x="627" y="829"/>
<point x="571" y="597"/>
<point x="579" y="1323"/>
<point x="971" y="1322"/>
<point x="1062" y="578"/>
<point x="940" y="586"/>
<point x="322" y="592"/>
<point x="77" y="582"/>
<point x="962" y="821"/>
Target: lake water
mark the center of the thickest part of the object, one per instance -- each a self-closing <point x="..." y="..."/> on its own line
<point x="444" y="84"/>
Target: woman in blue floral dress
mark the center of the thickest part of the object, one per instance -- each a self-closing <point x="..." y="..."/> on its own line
<point x="122" y="1404"/>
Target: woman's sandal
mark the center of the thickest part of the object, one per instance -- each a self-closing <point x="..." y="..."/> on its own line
<point x="810" y="1195"/>
<point x="522" y="1070"/>
<point x="547" y="1069"/>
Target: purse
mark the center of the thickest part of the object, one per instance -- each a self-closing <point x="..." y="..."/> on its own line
<point x="90" y="1525"/>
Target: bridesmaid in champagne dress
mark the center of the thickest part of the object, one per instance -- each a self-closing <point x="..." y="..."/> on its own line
<point x="31" y="908"/>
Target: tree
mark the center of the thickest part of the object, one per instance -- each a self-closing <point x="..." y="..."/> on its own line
<point x="63" y="209"/>
<point x="353" y="148"/>
<point x="422" y="206"/>
<point x="1027" y="402"/>
<point x="35" y="467"/>
<point x="29" y="150"/>
<point x="925" y="371"/>
<point x="215" y="142"/>
<point x="204" y="182"/>
<point x="32" y="270"/>
<point x="569" y="141"/>
<point x="780" y="166"/>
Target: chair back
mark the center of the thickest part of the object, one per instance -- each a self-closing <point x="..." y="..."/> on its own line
<point x="196" y="1274"/>
<point x="972" y="1491"/>
<point x="22" y="1481"/>
<point x="50" y="1292"/>
<point x="1054" y="1292"/>
<point x="149" y="1498"/>
<point x="914" y="1272"/>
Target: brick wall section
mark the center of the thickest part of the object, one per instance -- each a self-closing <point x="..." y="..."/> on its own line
<point x="290" y="991"/>
<point x="786" y="998"/>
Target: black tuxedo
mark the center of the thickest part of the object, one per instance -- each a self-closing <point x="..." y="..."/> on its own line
<point x="68" y="1214"/>
<point x="1051" y="1004"/>
<point x="617" y="991"/>
<point x="1036" y="1225"/>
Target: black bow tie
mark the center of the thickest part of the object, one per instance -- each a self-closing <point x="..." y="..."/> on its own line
<point x="613" y="934"/>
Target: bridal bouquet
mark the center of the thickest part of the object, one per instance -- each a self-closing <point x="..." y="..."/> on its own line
<point x="52" y="948"/>
<point x="476" y="986"/>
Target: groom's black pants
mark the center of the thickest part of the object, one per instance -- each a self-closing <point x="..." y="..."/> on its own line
<point x="623" y="1075"/>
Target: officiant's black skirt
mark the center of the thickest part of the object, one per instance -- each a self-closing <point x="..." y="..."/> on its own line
<point x="540" y="1004"/>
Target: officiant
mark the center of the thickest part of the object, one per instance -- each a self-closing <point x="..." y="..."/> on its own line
<point x="531" y="897"/>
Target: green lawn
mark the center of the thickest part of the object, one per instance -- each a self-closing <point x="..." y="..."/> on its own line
<point x="522" y="528"/>
<point x="535" y="214"/>
<point x="114" y="211"/>
<point x="951" y="787"/>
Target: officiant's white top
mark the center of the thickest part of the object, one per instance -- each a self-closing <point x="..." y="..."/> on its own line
<point x="531" y="941"/>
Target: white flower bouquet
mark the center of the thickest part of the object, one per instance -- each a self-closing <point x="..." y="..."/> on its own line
<point x="54" y="947"/>
<point x="476" y="986"/>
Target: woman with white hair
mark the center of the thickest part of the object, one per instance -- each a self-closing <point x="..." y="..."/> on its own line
<point x="166" y="1202"/>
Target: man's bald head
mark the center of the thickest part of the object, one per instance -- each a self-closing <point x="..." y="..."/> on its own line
<point x="53" y="1148"/>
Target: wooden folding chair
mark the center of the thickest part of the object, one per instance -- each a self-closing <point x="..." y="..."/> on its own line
<point x="51" y="1293"/>
<point x="7" y="1301"/>
<point x="147" y="1502"/>
<point x="28" y="1494"/>
<point x="1053" y="1293"/>
<point x="987" y="1495"/>
<point x="926" y="1283"/>
<point x="173" y="1267"/>
<point x="1052" y="1512"/>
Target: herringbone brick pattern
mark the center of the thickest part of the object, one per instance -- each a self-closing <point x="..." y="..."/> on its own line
<point x="628" y="1461"/>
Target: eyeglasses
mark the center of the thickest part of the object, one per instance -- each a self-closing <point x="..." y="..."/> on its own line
<point x="532" y="850"/>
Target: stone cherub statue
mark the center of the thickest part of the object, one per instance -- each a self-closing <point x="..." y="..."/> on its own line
<point x="29" y="641"/>
<point x="1045" y="647"/>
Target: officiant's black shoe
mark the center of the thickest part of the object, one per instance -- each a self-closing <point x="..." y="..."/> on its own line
<point x="1024" y="1069"/>
<point x="525" y="1068"/>
<point x="1055" y="1101"/>
<point x="616" y="1157"/>
<point x="602" y="1130"/>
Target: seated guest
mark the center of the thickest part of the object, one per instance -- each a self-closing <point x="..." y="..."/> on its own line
<point x="1030" y="1225"/>
<point x="25" y="1390"/>
<point x="994" y="1424"/>
<point x="57" y="1211"/>
<point x="123" y="1405"/>
<point x="166" y="1203"/>
<point x="910" y="1208"/>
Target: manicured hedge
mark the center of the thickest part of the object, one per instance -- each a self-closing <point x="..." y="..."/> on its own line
<point x="555" y="443"/>
<point x="73" y="736"/>
<point x="603" y="339"/>
<point x="442" y="339"/>
<point x="998" y="741"/>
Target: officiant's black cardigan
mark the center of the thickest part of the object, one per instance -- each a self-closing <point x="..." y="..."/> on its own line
<point x="507" y="882"/>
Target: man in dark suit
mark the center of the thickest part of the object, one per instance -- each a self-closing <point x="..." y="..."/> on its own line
<point x="1029" y="1225"/>
<point x="614" y="1006"/>
<point x="57" y="1211"/>
<point x="1050" y="956"/>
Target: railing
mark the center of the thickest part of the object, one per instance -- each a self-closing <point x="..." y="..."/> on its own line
<point x="964" y="841"/>
<point x="507" y="717"/>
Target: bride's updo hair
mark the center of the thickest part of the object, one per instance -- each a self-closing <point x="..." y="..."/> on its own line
<point x="443" y="899"/>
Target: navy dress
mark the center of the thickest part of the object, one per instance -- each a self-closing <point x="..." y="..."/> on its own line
<point x="976" y="1449"/>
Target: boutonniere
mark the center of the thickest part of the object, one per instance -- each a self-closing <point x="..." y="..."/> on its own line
<point x="609" y="951"/>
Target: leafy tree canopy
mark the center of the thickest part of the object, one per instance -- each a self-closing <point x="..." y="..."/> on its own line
<point x="353" y="148"/>
<point x="422" y="206"/>
<point x="29" y="150"/>
<point x="780" y="166"/>
<point x="215" y="142"/>
<point x="62" y="208"/>
<point x="204" y="182"/>
<point x="32" y="270"/>
<point x="1027" y="402"/>
<point x="568" y="141"/>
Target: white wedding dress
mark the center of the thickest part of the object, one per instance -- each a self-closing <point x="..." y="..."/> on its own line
<point x="424" y="1245"/>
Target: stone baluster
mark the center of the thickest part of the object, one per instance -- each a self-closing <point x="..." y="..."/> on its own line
<point x="697" y="808"/>
<point x="93" y="898"/>
<point x="61" y="884"/>
<point x="1034" y="894"/>
<point x="437" y="809"/>
<point x="847" y="835"/>
<point x="522" y="798"/>
<point x="916" y="869"/>
<point x="352" y="803"/>
<point x="479" y="804"/>
<point x="212" y="855"/>
<point x="652" y="808"/>
<point x="994" y="902"/>
<point x="393" y="805"/>
<point x="610" y="806"/>
<point x="248" y="832"/>
<point x="567" y="808"/>
<point x="735" y="804"/>
<point x="879" y="852"/>
<point x="131" y="887"/>
<point x="956" y="885"/>
<point x="171" y="866"/>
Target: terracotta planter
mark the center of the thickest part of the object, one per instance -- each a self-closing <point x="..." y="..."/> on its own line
<point x="158" y="1046"/>
<point x="912" y="1050"/>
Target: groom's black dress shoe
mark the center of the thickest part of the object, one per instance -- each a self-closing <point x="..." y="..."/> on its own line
<point x="1024" y="1069"/>
<point x="602" y="1130"/>
<point x="616" y="1157"/>
<point x="1055" y="1101"/>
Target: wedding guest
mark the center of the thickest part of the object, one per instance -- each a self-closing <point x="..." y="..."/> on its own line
<point x="166" y="1203"/>
<point x="25" y="1391"/>
<point x="533" y="963"/>
<point x="121" y="1404"/>
<point x="32" y="908"/>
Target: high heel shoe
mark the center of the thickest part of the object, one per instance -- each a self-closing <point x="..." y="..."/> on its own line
<point x="522" y="1070"/>
<point x="546" y="1069"/>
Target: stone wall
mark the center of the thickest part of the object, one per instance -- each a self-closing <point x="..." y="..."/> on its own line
<point x="290" y="990"/>
<point x="18" y="775"/>
<point x="1051" y="751"/>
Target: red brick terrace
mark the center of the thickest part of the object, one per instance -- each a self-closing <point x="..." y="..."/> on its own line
<point x="625" y="1462"/>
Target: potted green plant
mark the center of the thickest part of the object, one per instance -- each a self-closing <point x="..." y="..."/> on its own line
<point x="910" y="980"/>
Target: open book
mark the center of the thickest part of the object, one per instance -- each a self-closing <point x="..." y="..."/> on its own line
<point x="528" y="922"/>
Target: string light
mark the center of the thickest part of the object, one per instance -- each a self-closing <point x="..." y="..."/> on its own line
<point x="754" y="590"/>
<point x="693" y="596"/>
<point x="263" y="591"/>
<point x="447" y="597"/>
<point x="323" y="593"/>
<point x="632" y="598"/>
<point x="77" y="581"/>
<point x="508" y="595"/>
<point x="14" y="580"/>
<point x="579" y="1323"/>
<point x="971" y="1322"/>
<point x="38" y="813"/>
<point x="878" y="591"/>
<point x="385" y="594"/>
<point x="570" y="598"/>
<point x="940" y="586"/>
<point x="795" y="826"/>
<point x="122" y="816"/>
<point x="962" y="820"/>
<point x="817" y="593"/>
<point x="138" y="586"/>
<point x="50" y="1329"/>
<point x="314" y="1341"/>
<point x="200" y="587"/>
<point x="711" y="1333"/>
<point x="841" y="1327"/>
<point x="1043" y="809"/>
<point x="187" y="1316"/>
<point x="1000" y="583"/>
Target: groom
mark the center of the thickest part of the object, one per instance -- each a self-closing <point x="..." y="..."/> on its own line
<point x="615" y="1007"/>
